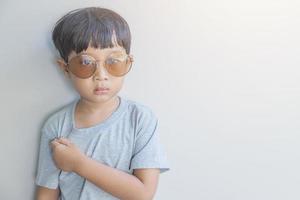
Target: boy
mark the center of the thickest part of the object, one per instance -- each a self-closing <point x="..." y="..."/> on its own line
<point x="101" y="145"/>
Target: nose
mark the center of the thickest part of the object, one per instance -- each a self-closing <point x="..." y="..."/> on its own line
<point x="101" y="73"/>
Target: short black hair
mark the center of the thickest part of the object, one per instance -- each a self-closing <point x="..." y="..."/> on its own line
<point x="94" y="26"/>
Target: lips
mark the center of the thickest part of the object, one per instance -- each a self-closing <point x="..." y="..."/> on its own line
<point x="101" y="89"/>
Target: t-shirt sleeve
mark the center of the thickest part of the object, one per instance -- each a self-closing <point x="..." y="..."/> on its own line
<point x="148" y="151"/>
<point x="47" y="172"/>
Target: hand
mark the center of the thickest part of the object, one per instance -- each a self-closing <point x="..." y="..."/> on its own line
<point x="66" y="154"/>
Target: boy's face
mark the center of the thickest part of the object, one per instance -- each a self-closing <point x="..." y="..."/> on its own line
<point x="101" y="78"/>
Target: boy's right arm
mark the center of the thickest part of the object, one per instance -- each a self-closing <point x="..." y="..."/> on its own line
<point x="43" y="193"/>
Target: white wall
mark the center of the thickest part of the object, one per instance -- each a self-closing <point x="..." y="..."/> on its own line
<point x="222" y="76"/>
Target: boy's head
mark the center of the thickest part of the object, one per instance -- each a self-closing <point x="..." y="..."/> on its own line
<point x="94" y="45"/>
<point x="93" y="25"/>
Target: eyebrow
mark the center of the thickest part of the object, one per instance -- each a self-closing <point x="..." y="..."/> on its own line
<point x="86" y="53"/>
<point x="92" y="56"/>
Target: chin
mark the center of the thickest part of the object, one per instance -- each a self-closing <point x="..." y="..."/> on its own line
<point x="102" y="98"/>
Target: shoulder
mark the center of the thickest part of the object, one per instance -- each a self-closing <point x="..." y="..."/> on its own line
<point x="57" y="118"/>
<point x="140" y="110"/>
<point x="141" y="115"/>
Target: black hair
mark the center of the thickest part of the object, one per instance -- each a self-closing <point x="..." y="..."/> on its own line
<point x="93" y="26"/>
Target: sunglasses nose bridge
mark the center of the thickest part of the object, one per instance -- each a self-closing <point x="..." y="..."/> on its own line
<point x="100" y="69"/>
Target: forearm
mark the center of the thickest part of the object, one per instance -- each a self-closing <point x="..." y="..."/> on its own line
<point x="43" y="193"/>
<point x="116" y="182"/>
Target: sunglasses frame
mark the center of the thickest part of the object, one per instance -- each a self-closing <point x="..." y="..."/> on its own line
<point x="95" y="62"/>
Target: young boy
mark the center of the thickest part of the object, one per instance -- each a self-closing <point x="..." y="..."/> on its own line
<point x="101" y="145"/>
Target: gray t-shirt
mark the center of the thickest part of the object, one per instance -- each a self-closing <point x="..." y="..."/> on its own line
<point x="128" y="139"/>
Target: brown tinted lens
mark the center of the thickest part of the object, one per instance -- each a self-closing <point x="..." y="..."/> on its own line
<point x="118" y="65"/>
<point x="82" y="66"/>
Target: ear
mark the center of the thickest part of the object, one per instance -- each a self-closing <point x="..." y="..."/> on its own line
<point x="63" y="66"/>
<point x="131" y="57"/>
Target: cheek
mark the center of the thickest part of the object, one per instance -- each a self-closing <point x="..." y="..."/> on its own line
<point x="82" y="86"/>
<point x="118" y="82"/>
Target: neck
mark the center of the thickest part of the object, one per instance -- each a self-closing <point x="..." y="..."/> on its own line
<point x="85" y="106"/>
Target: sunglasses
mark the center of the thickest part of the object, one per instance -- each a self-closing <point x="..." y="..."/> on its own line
<point x="84" y="66"/>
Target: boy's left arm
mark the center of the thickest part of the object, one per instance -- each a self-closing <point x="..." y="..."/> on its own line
<point x="139" y="186"/>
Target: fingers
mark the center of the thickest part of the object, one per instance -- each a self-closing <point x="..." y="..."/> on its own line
<point x="61" y="140"/>
<point x="54" y="142"/>
<point x="64" y="141"/>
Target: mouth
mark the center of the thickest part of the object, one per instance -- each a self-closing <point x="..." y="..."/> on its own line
<point x="101" y="89"/>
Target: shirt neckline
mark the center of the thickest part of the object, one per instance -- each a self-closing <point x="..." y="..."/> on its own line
<point x="113" y="116"/>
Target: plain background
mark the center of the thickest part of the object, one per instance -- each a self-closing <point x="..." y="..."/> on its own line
<point x="222" y="76"/>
